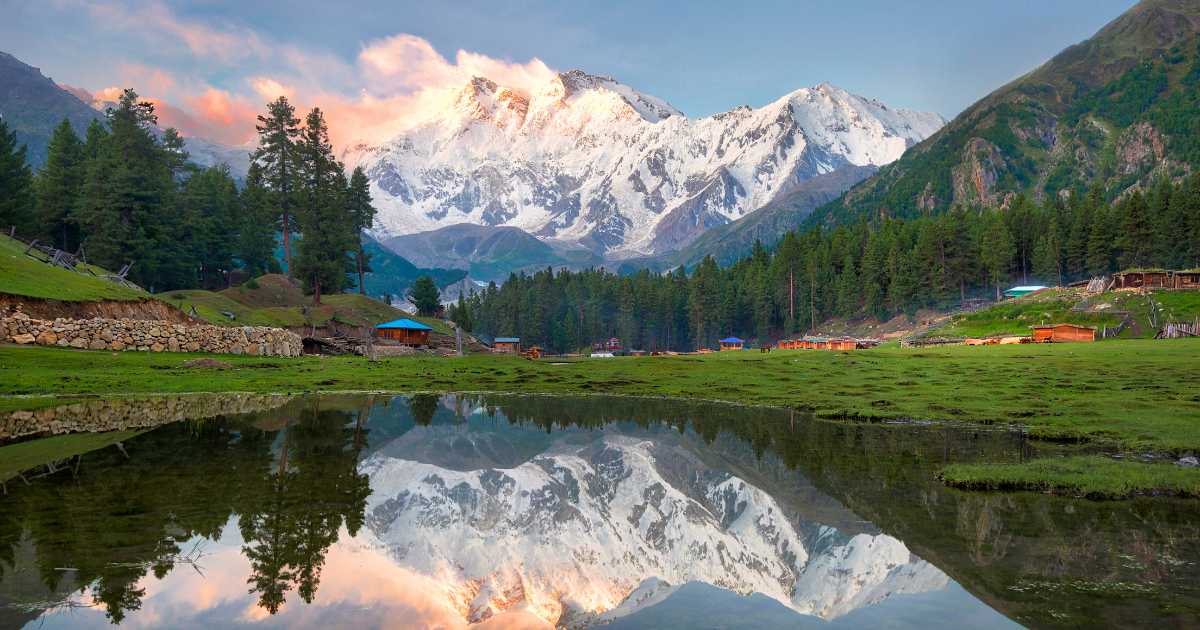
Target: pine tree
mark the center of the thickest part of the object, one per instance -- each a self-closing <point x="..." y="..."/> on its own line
<point x="425" y="296"/>
<point x="996" y="251"/>
<point x="278" y="133"/>
<point x="847" y="288"/>
<point x="213" y="219"/>
<point x="256" y="233"/>
<point x="59" y="185"/>
<point x="358" y="200"/>
<point x="1136" y="239"/>
<point x="1047" y="266"/>
<point x="1099" y="244"/>
<point x="16" y="183"/>
<point x="323" y="260"/>
<point x="123" y="213"/>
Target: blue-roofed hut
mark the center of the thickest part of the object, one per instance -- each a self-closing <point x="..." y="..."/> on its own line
<point x="405" y="332"/>
<point x="732" y="343"/>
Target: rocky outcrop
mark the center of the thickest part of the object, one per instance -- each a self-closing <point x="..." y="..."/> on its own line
<point x="975" y="177"/>
<point x="147" y="336"/>
<point x="1139" y="148"/>
<point x="121" y="414"/>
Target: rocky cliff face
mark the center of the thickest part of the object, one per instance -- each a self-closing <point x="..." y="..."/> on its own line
<point x="587" y="160"/>
<point x="597" y="526"/>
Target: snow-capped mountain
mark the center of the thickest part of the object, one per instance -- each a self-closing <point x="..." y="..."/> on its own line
<point x="599" y="525"/>
<point x="585" y="159"/>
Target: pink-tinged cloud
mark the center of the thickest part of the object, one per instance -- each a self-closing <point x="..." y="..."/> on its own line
<point x="393" y="82"/>
<point x="406" y="62"/>
<point x="269" y="89"/>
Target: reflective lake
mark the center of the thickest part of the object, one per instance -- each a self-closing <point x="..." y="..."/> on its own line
<point x="536" y="511"/>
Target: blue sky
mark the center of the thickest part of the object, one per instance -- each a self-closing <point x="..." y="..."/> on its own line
<point x="703" y="57"/>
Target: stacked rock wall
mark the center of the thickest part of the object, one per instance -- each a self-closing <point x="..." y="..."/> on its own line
<point x="148" y="336"/>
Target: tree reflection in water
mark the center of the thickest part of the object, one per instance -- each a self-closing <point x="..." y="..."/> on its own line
<point x="290" y="474"/>
<point x="289" y="479"/>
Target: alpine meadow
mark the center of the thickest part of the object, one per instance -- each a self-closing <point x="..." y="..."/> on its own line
<point x="412" y="315"/>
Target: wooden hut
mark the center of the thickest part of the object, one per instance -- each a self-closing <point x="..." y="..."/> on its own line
<point x="510" y="345"/>
<point x="732" y="343"/>
<point x="1187" y="279"/>
<point x="1059" y="333"/>
<point x="844" y="343"/>
<point x="405" y="332"/>
<point x="1142" y="278"/>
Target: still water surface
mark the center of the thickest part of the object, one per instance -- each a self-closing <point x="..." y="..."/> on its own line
<point x="537" y="511"/>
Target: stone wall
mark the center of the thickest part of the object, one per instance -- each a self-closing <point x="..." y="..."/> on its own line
<point x="147" y="336"/>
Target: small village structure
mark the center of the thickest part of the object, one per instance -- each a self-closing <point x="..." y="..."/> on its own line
<point x="1157" y="279"/>
<point x="612" y="345"/>
<point x="732" y="343"/>
<point x="1022" y="291"/>
<point x="510" y="345"/>
<point x="404" y="332"/>
<point x="822" y="343"/>
<point x="1059" y="333"/>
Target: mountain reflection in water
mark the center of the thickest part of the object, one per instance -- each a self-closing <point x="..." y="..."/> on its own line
<point x="502" y="511"/>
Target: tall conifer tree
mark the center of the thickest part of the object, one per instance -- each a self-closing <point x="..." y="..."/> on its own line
<point x="278" y="132"/>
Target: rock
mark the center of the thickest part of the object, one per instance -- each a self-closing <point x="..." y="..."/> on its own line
<point x="1189" y="461"/>
<point x="23" y="339"/>
<point x="157" y="347"/>
<point x="98" y="344"/>
<point x="79" y="342"/>
<point x="47" y="338"/>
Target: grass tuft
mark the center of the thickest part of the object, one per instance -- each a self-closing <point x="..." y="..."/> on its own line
<point x="1091" y="476"/>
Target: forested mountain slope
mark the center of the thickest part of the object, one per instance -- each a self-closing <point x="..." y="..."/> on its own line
<point x="1117" y="110"/>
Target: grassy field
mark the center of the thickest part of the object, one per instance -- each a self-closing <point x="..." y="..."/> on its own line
<point x="22" y="275"/>
<point x="1137" y="395"/>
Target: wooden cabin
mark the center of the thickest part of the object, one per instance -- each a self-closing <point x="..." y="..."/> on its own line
<point x="1189" y="279"/>
<point x="510" y="345"/>
<point x="732" y="343"/>
<point x="404" y="332"/>
<point x="1142" y="278"/>
<point x="533" y="353"/>
<point x="843" y="344"/>
<point x="1059" y="333"/>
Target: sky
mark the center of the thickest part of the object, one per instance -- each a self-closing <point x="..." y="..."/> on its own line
<point x="210" y="65"/>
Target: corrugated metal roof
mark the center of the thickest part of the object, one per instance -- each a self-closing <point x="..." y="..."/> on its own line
<point x="733" y="340"/>
<point x="508" y="340"/>
<point x="406" y="324"/>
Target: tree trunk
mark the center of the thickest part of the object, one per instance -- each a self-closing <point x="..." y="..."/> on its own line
<point x="362" y="290"/>
<point x="287" y="244"/>
<point x="317" y="293"/>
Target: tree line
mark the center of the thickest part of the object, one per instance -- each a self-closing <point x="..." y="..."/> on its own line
<point x="126" y="193"/>
<point x="877" y="268"/>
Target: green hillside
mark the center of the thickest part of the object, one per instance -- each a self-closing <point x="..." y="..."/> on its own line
<point x="24" y="276"/>
<point x="1119" y="109"/>
<point x="272" y="300"/>
<point x="33" y="105"/>
<point x="1142" y="314"/>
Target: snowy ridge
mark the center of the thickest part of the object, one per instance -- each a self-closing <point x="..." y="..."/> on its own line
<point x="585" y="532"/>
<point x="589" y="160"/>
